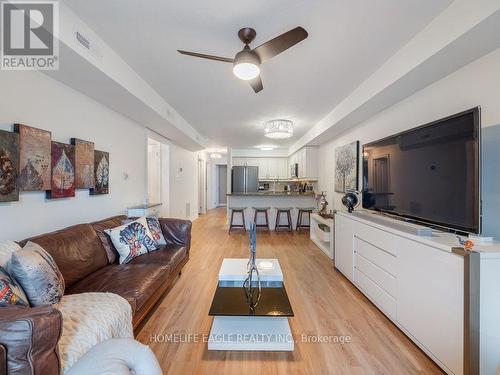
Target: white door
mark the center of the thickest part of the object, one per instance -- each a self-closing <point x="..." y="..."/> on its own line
<point x="158" y="176"/>
<point x="154" y="171"/>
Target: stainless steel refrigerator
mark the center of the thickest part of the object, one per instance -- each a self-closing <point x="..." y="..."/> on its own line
<point x="245" y="179"/>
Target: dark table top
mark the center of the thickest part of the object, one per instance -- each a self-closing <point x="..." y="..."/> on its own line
<point x="232" y="301"/>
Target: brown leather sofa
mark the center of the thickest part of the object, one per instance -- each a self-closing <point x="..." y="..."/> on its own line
<point x="89" y="263"/>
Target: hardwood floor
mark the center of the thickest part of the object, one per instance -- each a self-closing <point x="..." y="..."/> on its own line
<point x="324" y="303"/>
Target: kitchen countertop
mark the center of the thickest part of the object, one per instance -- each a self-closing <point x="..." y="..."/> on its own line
<point x="272" y="194"/>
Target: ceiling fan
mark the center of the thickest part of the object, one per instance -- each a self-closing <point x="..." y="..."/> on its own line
<point x="246" y="63"/>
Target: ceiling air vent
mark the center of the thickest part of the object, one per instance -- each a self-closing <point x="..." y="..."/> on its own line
<point x="82" y="40"/>
<point x="86" y="43"/>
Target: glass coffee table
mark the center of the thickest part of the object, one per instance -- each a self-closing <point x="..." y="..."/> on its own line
<point x="239" y="326"/>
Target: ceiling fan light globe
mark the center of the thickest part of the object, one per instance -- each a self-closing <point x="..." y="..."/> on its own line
<point x="246" y="71"/>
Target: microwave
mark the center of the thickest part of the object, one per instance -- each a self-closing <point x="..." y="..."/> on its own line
<point x="294" y="170"/>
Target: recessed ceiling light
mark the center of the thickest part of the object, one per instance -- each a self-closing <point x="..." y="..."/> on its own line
<point x="215" y="156"/>
<point x="267" y="148"/>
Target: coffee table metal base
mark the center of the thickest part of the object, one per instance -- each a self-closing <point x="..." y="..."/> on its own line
<point x="250" y="333"/>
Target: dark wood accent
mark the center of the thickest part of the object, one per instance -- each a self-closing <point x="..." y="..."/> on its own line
<point x="247" y="35"/>
<point x="266" y="217"/>
<point x="288" y="225"/>
<point x="256" y="84"/>
<point x="232" y="225"/>
<point x="280" y="44"/>
<point x="300" y="225"/>
<point x="3" y="360"/>
<point x="209" y="57"/>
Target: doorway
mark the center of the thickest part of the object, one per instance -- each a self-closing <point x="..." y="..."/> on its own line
<point x="202" y="186"/>
<point x="158" y="172"/>
<point x="221" y="185"/>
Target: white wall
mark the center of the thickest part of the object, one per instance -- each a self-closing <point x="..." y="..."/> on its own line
<point x="183" y="183"/>
<point x="35" y="99"/>
<point x="476" y="84"/>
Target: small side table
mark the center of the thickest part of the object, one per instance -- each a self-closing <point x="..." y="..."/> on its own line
<point x="148" y="210"/>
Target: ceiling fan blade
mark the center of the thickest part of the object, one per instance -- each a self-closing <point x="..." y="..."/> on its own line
<point x="209" y="57"/>
<point x="256" y="84"/>
<point x="280" y="43"/>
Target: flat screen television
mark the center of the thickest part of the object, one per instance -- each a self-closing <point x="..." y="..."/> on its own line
<point x="430" y="174"/>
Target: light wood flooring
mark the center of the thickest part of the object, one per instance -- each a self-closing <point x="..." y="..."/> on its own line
<point x="324" y="303"/>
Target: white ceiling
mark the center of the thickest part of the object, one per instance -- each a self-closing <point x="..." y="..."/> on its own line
<point x="348" y="41"/>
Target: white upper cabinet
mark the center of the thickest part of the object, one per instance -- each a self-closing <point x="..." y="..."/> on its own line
<point x="307" y="159"/>
<point x="238" y="162"/>
<point x="283" y="168"/>
<point x="269" y="168"/>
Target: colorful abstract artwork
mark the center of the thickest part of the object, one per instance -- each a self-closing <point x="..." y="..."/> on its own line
<point x="9" y="163"/>
<point x="84" y="163"/>
<point x="34" y="158"/>
<point x="347" y="167"/>
<point x="63" y="171"/>
<point x="101" y="173"/>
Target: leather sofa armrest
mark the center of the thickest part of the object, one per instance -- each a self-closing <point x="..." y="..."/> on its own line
<point x="30" y="336"/>
<point x="176" y="232"/>
<point x="3" y="360"/>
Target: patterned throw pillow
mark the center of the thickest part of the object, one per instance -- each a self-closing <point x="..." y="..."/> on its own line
<point x="132" y="240"/>
<point x="6" y="250"/>
<point x="38" y="274"/>
<point x="154" y="227"/>
<point x="11" y="292"/>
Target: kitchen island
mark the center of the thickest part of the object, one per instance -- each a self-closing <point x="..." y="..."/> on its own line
<point x="273" y="200"/>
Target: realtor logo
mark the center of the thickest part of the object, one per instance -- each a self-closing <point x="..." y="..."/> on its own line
<point x="29" y="35"/>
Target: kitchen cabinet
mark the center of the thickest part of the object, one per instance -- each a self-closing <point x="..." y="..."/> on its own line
<point x="269" y="168"/>
<point x="282" y="166"/>
<point x="307" y="159"/>
<point x="239" y="162"/>
<point x="302" y="163"/>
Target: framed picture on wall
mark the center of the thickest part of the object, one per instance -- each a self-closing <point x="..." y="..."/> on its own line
<point x="63" y="171"/>
<point x="101" y="173"/>
<point x="84" y="163"/>
<point x="347" y="167"/>
<point x="9" y="162"/>
<point x="34" y="158"/>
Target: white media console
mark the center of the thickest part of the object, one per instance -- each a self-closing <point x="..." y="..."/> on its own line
<point x="445" y="299"/>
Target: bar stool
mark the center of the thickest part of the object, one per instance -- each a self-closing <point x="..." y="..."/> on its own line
<point x="264" y="211"/>
<point x="240" y="210"/>
<point x="283" y="210"/>
<point x="300" y="223"/>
